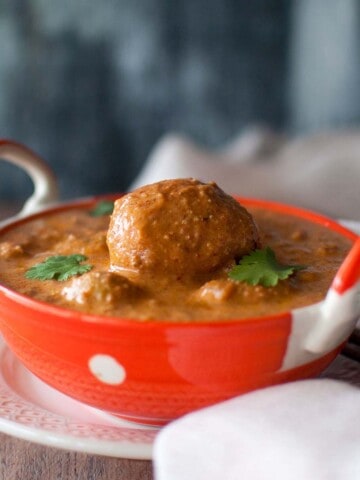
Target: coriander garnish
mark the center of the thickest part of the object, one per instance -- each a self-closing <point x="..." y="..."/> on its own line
<point x="59" y="267"/>
<point x="104" y="207"/>
<point x="262" y="268"/>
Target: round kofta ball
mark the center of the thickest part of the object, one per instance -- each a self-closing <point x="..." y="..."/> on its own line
<point x="178" y="227"/>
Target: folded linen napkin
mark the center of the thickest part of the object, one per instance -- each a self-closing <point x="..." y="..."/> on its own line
<point x="304" y="430"/>
<point x="319" y="172"/>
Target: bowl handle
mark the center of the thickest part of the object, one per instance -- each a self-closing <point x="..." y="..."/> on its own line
<point x="341" y="307"/>
<point x="45" y="185"/>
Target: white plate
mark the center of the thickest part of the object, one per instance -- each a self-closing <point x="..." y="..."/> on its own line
<point x="31" y="410"/>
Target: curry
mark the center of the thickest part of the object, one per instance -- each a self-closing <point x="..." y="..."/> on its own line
<point x="165" y="254"/>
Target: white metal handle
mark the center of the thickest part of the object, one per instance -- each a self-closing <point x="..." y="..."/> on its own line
<point x="45" y="185"/>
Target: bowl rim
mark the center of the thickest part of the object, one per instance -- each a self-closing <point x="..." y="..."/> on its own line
<point x="69" y="315"/>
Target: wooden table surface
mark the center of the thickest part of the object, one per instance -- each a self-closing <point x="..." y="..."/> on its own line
<point x="23" y="460"/>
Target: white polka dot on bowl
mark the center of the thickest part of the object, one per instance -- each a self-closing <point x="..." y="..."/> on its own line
<point x="107" y="369"/>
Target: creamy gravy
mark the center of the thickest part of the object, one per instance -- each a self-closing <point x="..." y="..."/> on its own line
<point x="205" y="297"/>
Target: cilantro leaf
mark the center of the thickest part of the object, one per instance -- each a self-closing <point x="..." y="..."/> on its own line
<point x="59" y="267"/>
<point x="104" y="207"/>
<point x="262" y="268"/>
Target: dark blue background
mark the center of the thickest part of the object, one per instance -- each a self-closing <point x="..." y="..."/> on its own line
<point x="92" y="85"/>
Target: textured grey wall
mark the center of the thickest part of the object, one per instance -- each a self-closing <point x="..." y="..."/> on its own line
<point x="91" y="85"/>
<point x="324" y="61"/>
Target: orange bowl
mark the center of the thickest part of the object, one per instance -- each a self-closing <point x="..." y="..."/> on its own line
<point x="154" y="372"/>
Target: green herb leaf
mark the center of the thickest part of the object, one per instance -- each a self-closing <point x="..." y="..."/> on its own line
<point x="104" y="207"/>
<point x="59" y="267"/>
<point x="262" y="268"/>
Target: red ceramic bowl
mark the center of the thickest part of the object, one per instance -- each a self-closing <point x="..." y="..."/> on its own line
<point x="154" y="372"/>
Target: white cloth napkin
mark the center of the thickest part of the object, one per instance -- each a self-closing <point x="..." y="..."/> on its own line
<point x="306" y="430"/>
<point x="321" y="172"/>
